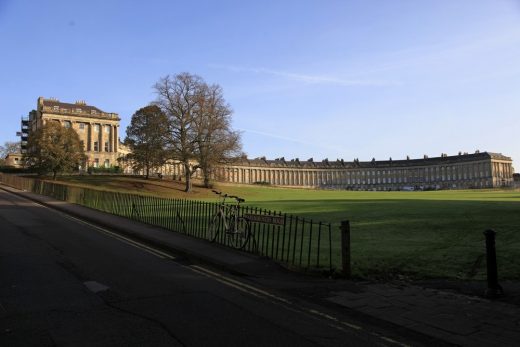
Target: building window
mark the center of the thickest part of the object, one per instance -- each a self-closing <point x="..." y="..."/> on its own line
<point x="96" y="147"/>
<point x="107" y="163"/>
<point x="93" y="112"/>
<point x="66" y="124"/>
<point x="96" y="162"/>
<point x="96" y="128"/>
<point x="78" y="110"/>
<point x="56" y="108"/>
<point x="107" y="129"/>
<point x="106" y="146"/>
<point x="81" y="126"/>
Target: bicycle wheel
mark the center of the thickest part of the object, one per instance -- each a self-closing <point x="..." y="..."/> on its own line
<point x="240" y="236"/>
<point x="214" y="227"/>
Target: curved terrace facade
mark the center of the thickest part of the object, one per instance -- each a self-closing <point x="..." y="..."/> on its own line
<point x="478" y="170"/>
<point x="98" y="132"/>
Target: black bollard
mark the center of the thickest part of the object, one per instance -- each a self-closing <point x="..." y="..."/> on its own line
<point x="345" y="248"/>
<point x="494" y="289"/>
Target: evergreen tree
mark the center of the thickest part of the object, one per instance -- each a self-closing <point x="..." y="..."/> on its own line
<point x="147" y="136"/>
<point x="54" y="149"/>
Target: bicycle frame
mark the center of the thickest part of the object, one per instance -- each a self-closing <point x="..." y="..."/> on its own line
<point x="236" y="228"/>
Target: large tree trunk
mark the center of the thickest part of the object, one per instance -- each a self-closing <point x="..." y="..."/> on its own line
<point x="147" y="171"/>
<point x="205" y="172"/>
<point x="188" y="178"/>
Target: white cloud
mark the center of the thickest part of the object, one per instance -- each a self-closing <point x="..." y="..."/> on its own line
<point x="314" y="144"/>
<point x="462" y="49"/>
<point x="308" y="79"/>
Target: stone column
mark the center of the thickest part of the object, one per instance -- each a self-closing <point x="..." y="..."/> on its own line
<point x="100" y="138"/>
<point x="111" y="141"/>
<point x="115" y="138"/>
<point x="89" y="137"/>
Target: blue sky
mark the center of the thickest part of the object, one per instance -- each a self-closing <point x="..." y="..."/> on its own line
<point x="322" y="79"/>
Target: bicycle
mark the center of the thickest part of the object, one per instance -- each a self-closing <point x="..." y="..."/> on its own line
<point x="237" y="229"/>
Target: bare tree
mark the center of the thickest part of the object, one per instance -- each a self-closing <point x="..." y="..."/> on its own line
<point x="216" y="142"/>
<point x="199" y="123"/>
<point x="9" y="148"/>
<point x="177" y="96"/>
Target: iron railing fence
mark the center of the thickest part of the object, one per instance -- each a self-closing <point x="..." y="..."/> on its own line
<point x="298" y="242"/>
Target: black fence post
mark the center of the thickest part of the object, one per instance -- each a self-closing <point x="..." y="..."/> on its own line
<point x="493" y="289"/>
<point x="345" y="248"/>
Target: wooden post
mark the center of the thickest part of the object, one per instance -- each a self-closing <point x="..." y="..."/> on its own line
<point x="345" y="248"/>
<point x="494" y="289"/>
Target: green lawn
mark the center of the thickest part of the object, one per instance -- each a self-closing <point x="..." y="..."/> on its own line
<point x="416" y="234"/>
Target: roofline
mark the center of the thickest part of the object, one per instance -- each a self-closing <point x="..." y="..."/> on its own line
<point x="340" y="163"/>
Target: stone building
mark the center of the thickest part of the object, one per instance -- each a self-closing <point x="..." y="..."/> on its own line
<point x="98" y="130"/>
<point x="478" y="170"/>
<point x="516" y="180"/>
<point x="13" y="160"/>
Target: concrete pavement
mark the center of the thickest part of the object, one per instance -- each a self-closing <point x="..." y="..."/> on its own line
<point x="440" y="314"/>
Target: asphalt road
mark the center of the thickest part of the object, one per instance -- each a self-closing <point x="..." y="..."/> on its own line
<point x="67" y="283"/>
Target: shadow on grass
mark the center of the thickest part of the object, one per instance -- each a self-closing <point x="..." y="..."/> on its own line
<point x="137" y="185"/>
<point x="419" y="238"/>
